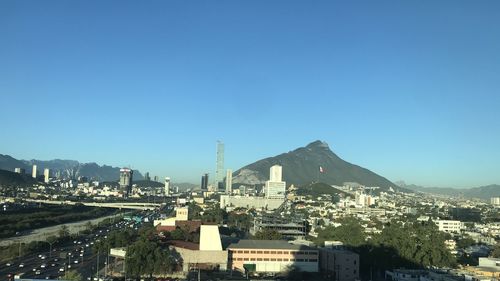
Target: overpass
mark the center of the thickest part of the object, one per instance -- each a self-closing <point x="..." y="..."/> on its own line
<point x="116" y="205"/>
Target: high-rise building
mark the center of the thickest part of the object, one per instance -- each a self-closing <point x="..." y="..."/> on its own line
<point x="126" y="176"/>
<point x="219" y="172"/>
<point x="495" y="200"/>
<point x="204" y="182"/>
<point x="46" y="175"/>
<point x="166" y="190"/>
<point x="275" y="188"/>
<point x="156" y="178"/>
<point x="146" y="176"/>
<point x="19" y="171"/>
<point x="229" y="181"/>
<point x="33" y="172"/>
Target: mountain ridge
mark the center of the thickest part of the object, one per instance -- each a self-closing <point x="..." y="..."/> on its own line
<point x="301" y="167"/>
<point x="69" y="168"/>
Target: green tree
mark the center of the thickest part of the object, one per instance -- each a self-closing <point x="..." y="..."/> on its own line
<point x="465" y="242"/>
<point x="146" y="257"/>
<point x="351" y="233"/>
<point x="267" y="234"/>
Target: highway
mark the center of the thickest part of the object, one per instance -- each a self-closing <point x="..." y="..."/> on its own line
<point x="45" y="265"/>
<point x="41" y="234"/>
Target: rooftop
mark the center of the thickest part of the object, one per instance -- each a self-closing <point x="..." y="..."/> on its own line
<point x="267" y="244"/>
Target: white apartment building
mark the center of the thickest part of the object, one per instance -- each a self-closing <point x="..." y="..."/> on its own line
<point x="450" y="226"/>
<point x="275" y="188"/>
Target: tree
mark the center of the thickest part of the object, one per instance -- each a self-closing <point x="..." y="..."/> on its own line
<point x="465" y="242"/>
<point x="72" y="275"/>
<point x="146" y="257"/>
<point x="496" y="251"/>
<point x="267" y="234"/>
<point x="63" y="231"/>
<point x="350" y="233"/>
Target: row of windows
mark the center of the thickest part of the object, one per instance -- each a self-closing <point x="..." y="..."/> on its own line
<point x="271" y="259"/>
<point x="277" y="252"/>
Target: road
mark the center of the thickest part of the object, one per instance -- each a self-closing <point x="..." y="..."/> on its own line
<point x="62" y="258"/>
<point x="41" y="234"/>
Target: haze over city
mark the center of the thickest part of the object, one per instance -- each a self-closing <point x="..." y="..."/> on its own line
<point x="408" y="90"/>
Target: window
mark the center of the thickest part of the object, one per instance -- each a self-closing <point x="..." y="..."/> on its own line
<point x="245" y="252"/>
<point x="279" y="252"/>
<point x="286" y="252"/>
<point x="266" y="252"/>
<point x="273" y="252"/>
<point x="259" y="252"/>
<point x="259" y="259"/>
<point x="354" y="261"/>
<point x="252" y="259"/>
<point x="292" y="259"/>
<point x="279" y="259"/>
<point x="245" y="259"/>
<point x="266" y="259"/>
<point x="285" y="259"/>
<point x="313" y="260"/>
<point x="273" y="259"/>
<point x="299" y="259"/>
<point x="252" y="252"/>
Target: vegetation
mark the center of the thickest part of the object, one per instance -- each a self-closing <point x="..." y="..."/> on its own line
<point x="496" y="251"/>
<point x="147" y="257"/>
<point x="267" y="234"/>
<point x="410" y="245"/>
<point x="318" y="189"/>
<point x="46" y="215"/>
<point x="72" y="275"/>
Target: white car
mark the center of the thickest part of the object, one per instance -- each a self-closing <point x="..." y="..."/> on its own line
<point x="43" y="257"/>
<point x="76" y="261"/>
<point x="20" y="265"/>
<point x="61" y="269"/>
<point x="37" y="272"/>
<point x="43" y="266"/>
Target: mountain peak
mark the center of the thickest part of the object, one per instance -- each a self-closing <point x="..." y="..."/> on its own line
<point x="318" y="144"/>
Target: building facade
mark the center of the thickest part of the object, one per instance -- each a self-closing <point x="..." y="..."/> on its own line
<point x="229" y="181"/>
<point x="275" y="187"/>
<point x="339" y="265"/>
<point x="271" y="256"/>
<point x="33" y="172"/>
<point x="126" y="177"/>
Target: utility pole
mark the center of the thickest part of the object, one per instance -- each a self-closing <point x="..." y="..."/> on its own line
<point x="97" y="273"/>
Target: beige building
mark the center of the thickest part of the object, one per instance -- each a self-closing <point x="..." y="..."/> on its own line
<point x="271" y="256"/>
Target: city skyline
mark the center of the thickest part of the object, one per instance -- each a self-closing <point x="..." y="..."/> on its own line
<point x="407" y="90"/>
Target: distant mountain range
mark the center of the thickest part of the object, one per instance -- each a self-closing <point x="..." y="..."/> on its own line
<point x="67" y="168"/>
<point x="301" y="167"/>
<point x="482" y="192"/>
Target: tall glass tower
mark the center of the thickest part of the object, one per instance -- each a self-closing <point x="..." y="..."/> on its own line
<point x="219" y="172"/>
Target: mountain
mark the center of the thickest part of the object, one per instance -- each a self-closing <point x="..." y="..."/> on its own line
<point x="482" y="192"/>
<point x="301" y="167"/>
<point x="67" y="168"/>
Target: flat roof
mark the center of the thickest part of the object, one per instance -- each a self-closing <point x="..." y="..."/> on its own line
<point x="268" y="244"/>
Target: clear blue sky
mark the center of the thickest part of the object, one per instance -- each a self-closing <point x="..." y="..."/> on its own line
<point x="408" y="89"/>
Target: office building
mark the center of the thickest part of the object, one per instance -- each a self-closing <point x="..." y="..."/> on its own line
<point x="166" y="190"/>
<point x="271" y="256"/>
<point x="219" y="172"/>
<point x="146" y="176"/>
<point x="33" y="172"/>
<point x="155" y="178"/>
<point x="46" y="175"/>
<point x="229" y="181"/>
<point x="275" y="188"/>
<point x="126" y="177"/>
<point x="204" y="182"/>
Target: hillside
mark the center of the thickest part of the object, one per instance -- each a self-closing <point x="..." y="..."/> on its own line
<point x="301" y="167"/>
<point x="317" y="189"/>
<point x="8" y="178"/>
<point x="482" y="192"/>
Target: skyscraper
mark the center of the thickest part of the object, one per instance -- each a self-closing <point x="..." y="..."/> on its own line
<point x="46" y="175"/>
<point x="33" y="172"/>
<point x="126" y="176"/>
<point x="229" y="181"/>
<point x="204" y="182"/>
<point x="19" y="171"/>
<point x="166" y="190"/>
<point x="219" y="172"/>
<point x="146" y="177"/>
<point x="275" y="188"/>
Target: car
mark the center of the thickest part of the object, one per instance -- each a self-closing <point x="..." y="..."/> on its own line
<point x="34" y="269"/>
<point x="81" y="254"/>
<point x="8" y="264"/>
<point x="43" y="257"/>
<point x="61" y="269"/>
<point x="43" y="265"/>
<point x="75" y="261"/>
<point x="53" y="264"/>
<point x="21" y="265"/>
<point x="56" y="259"/>
<point x="37" y="272"/>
